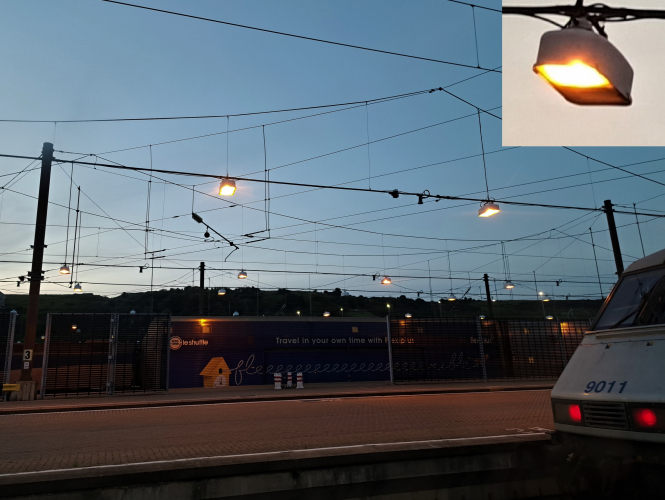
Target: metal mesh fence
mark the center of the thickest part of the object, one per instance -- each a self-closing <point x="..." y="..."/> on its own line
<point x="448" y="349"/>
<point x="105" y="353"/>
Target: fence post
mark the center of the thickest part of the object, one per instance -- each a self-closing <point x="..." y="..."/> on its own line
<point x="111" y="362"/>
<point x="561" y="346"/>
<point x="482" y="348"/>
<point x="9" y="350"/>
<point x="390" y="351"/>
<point x="47" y="344"/>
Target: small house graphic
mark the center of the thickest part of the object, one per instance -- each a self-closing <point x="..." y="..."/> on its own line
<point x="216" y="373"/>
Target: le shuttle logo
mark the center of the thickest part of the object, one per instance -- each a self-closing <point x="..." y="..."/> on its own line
<point x="176" y="342"/>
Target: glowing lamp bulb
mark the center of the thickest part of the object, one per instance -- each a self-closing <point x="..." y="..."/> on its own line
<point x="408" y="315"/>
<point x="221" y="291"/>
<point x="64" y="269"/>
<point x="645" y="417"/>
<point x="575" y="74"/>
<point x="77" y="287"/>
<point x="242" y="275"/>
<point x="227" y="187"/>
<point x="575" y="413"/>
<point x="386" y="280"/>
<point x="508" y="285"/>
<point x="452" y="298"/>
<point x="488" y="209"/>
<point x="326" y="314"/>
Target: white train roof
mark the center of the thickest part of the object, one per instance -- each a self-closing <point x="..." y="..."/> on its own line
<point x="655" y="259"/>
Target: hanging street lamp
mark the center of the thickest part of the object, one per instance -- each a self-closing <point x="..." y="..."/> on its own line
<point x="578" y="60"/>
<point x="227" y="187"/>
<point x="407" y="315"/>
<point x="221" y="291"/>
<point x="77" y="287"/>
<point x="64" y="269"/>
<point x="326" y="314"/>
<point x="508" y="285"/>
<point x="452" y="298"/>
<point x="488" y="208"/>
<point x="386" y="280"/>
<point x="242" y="275"/>
<point x="584" y="67"/>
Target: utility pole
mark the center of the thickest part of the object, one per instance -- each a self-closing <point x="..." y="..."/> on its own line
<point x="202" y="271"/>
<point x="37" y="261"/>
<point x="609" y="212"/>
<point x="489" y="295"/>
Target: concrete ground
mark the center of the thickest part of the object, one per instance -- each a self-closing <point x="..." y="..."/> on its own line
<point x="237" y="426"/>
<point x="177" y="397"/>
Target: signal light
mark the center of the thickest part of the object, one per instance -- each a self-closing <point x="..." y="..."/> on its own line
<point x="645" y="417"/>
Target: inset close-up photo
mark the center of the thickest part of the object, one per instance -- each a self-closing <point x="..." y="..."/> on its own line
<point x="583" y="74"/>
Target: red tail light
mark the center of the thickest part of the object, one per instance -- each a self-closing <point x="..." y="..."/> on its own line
<point x="575" y="413"/>
<point x="645" y="417"/>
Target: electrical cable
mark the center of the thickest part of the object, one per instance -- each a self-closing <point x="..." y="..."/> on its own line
<point x="290" y="34"/>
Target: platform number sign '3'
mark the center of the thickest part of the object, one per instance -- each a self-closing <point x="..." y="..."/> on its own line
<point x="27" y="355"/>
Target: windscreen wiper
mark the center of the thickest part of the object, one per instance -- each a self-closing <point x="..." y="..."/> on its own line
<point x="637" y="310"/>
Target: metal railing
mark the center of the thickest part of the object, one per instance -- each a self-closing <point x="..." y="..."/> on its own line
<point x="449" y="349"/>
<point x="105" y="353"/>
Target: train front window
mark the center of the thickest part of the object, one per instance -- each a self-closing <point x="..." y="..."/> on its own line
<point x="638" y="300"/>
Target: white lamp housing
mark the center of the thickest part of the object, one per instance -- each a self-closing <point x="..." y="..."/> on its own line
<point x="584" y="67"/>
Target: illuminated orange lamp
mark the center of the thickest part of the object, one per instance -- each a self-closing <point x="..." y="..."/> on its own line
<point x="452" y="298"/>
<point x="386" y="280"/>
<point x="64" y="269"/>
<point x="242" y="275"/>
<point x="584" y="67"/>
<point x="227" y="187"/>
<point x="488" y="209"/>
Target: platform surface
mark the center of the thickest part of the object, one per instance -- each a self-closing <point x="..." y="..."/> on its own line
<point x="70" y="440"/>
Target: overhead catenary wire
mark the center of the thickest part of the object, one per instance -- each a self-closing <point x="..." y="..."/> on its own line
<point x="292" y="35"/>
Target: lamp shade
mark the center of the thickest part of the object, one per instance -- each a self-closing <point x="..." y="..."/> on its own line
<point x="242" y="275"/>
<point x="386" y="280"/>
<point x="64" y="269"/>
<point x="221" y="291"/>
<point x="77" y="287"/>
<point x="326" y="314"/>
<point x="452" y="298"/>
<point x="508" y="285"/>
<point x="584" y="67"/>
<point x="407" y="315"/>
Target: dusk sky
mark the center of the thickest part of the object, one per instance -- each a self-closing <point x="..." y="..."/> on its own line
<point x="82" y="59"/>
